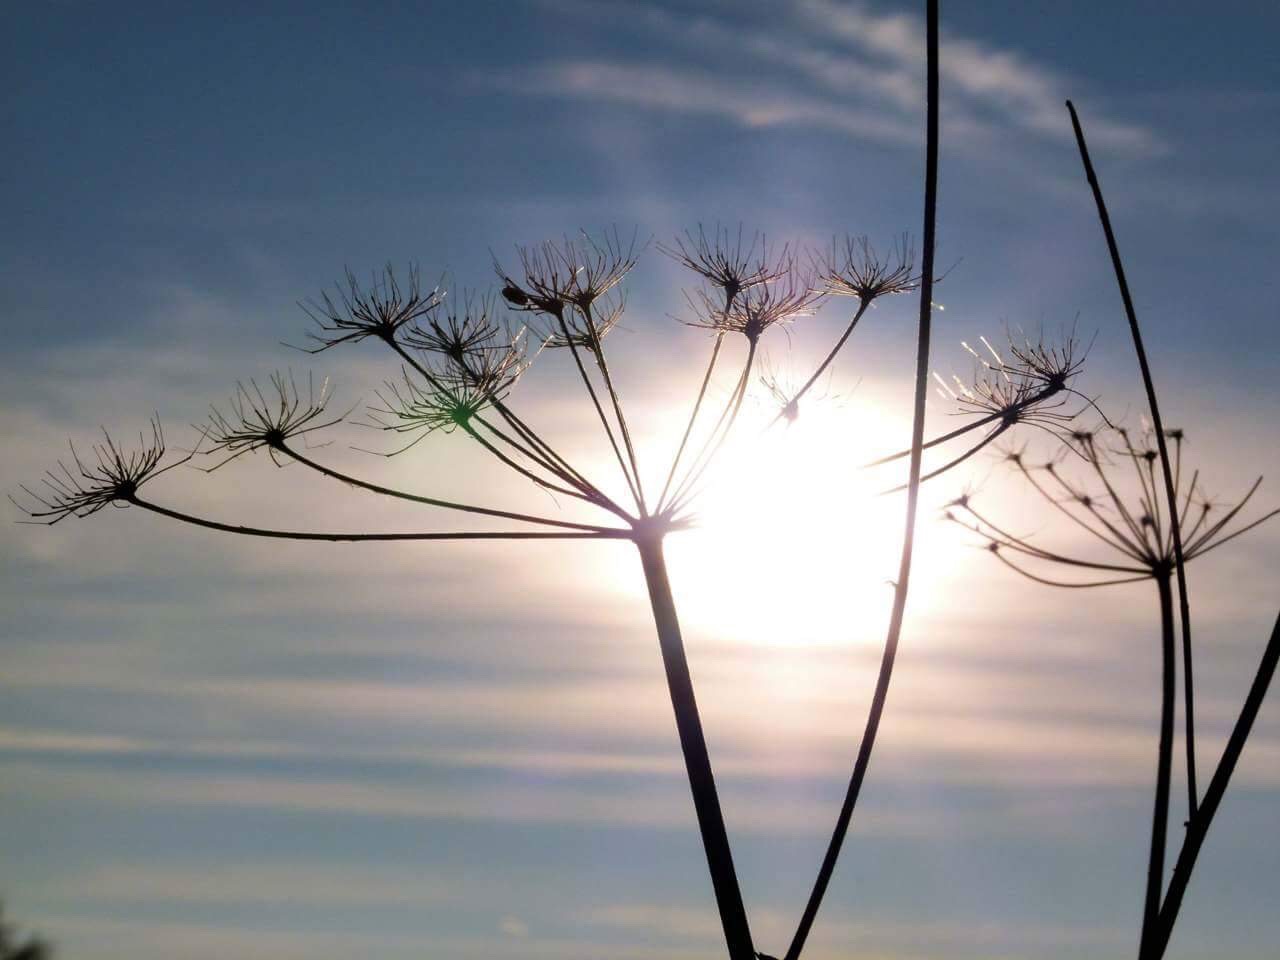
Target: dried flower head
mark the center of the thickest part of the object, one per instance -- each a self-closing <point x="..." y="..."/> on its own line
<point x="728" y="263"/>
<point x="464" y="338"/>
<point x="269" y="417"/>
<point x="573" y="330"/>
<point x="572" y="273"/>
<point x="853" y="268"/>
<point x="113" y="475"/>
<point x="1027" y="386"/>
<point x="759" y="306"/>
<point x="1135" y="526"/>
<point x="453" y="395"/>
<point x="380" y="310"/>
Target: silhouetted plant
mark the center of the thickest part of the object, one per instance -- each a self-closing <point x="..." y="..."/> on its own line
<point x="1158" y="918"/>
<point x="1138" y="530"/>
<point x="459" y="365"/>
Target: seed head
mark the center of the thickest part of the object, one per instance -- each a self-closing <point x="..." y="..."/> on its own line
<point x="268" y="417"/>
<point x="113" y="475"/>
<point x="727" y="263"/>
<point x="354" y="312"/>
<point x="852" y="268"/>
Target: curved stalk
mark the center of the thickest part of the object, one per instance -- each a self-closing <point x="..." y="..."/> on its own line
<point x="908" y="538"/>
<point x="431" y="501"/>
<point x="381" y="537"/>
<point x="706" y="802"/>
<point x="827" y="361"/>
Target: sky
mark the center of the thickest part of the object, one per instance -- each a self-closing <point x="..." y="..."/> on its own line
<point x="213" y="745"/>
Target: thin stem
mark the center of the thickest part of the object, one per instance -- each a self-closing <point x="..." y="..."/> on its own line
<point x="1184" y="603"/>
<point x="1118" y="543"/>
<point x="603" y="364"/>
<point x="693" y="416"/>
<point x="528" y="447"/>
<point x="719" y="434"/>
<point x="989" y="438"/>
<point x="715" y="840"/>
<point x="1164" y="764"/>
<point x="1066" y="583"/>
<point x="1199" y="551"/>
<point x="540" y="481"/>
<point x="1011" y="413"/>
<point x="595" y="401"/>
<point x="362" y="537"/>
<point x="929" y="444"/>
<point x="567" y="475"/>
<point x="827" y="361"/>
<point x="1198" y="828"/>
<point x="913" y="491"/>
<point x="430" y="501"/>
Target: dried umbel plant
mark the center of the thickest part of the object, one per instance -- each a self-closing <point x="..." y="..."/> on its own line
<point x="457" y="377"/>
<point x="459" y="363"/>
<point x="1128" y="521"/>
<point x="1162" y="906"/>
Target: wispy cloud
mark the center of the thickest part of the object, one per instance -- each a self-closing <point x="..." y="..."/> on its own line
<point x="842" y="67"/>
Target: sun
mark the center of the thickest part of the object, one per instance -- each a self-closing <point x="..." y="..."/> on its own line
<point x="796" y="544"/>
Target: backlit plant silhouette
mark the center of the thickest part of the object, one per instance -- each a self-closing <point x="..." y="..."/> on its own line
<point x="460" y="362"/>
<point x="459" y="365"/>
<point x="1136" y="530"/>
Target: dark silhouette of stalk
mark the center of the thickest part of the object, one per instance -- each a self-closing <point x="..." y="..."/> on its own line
<point x="431" y="501"/>
<point x="1164" y="768"/>
<point x="913" y="491"/>
<point x="1184" y="603"/>
<point x="359" y="537"/>
<point x="826" y="362"/>
<point x="1198" y="829"/>
<point x="1139" y="535"/>
<point x="693" y="416"/>
<point x="715" y="841"/>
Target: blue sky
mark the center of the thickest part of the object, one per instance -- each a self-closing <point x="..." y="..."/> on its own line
<point x="210" y="746"/>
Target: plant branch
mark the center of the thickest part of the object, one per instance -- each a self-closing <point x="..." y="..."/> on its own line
<point x="431" y="501"/>
<point x="362" y="537"/>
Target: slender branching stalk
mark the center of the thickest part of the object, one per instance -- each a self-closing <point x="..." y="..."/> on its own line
<point x="459" y="365"/>
<point x="1142" y="534"/>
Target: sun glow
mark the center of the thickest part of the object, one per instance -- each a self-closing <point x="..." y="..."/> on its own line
<point x="795" y="542"/>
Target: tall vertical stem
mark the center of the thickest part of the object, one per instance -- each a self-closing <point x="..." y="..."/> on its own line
<point x="1164" y="764"/>
<point x="1170" y="491"/>
<point x="913" y="492"/>
<point x="706" y="802"/>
